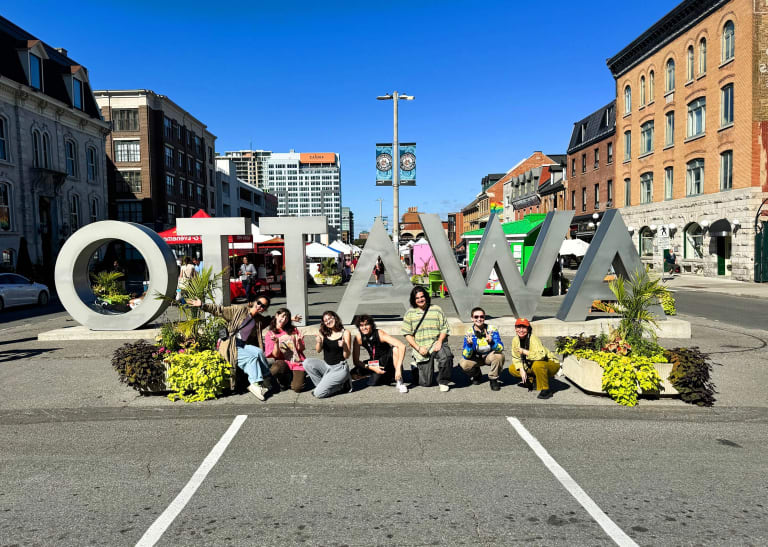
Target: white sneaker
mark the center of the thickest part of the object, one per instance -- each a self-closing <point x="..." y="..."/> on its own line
<point x="259" y="391"/>
<point x="401" y="387"/>
<point x="445" y="387"/>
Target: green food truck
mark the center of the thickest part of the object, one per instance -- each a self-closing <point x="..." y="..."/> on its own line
<point x="521" y="235"/>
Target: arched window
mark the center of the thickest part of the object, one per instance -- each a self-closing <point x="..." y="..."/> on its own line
<point x="702" y="56"/>
<point x="627" y="100"/>
<point x="696" y="117"/>
<point x="46" y="151"/>
<point x="642" y="90"/>
<point x="651" y="80"/>
<point x="91" y="161"/>
<point x="74" y="212"/>
<point x="5" y="207"/>
<point x="729" y="44"/>
<point x="646" y="242"/>
<point x="726" y="105"/>
<point x="694" y="177"/>
<point x="36" y="158"/>
<point x="689" y="64"/>
<point x="670" y="80"/>
<point x="71" y="150"/>
<point x="94" y="209"/>
<point x="4" y="146"/>
<point x="693" y="241"/>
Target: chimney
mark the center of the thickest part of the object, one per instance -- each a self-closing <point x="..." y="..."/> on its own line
<point x="62" y="51"/>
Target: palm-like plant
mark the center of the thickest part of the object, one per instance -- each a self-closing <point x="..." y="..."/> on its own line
<point x="634" y="298"/>
<point x="106" y="283"/>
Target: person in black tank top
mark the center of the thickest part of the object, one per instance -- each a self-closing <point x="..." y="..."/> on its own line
<point x="386" y="353"/>
<point x="330" y="374"/>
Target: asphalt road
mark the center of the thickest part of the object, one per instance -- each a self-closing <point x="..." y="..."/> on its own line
<point x="751" y="313"/>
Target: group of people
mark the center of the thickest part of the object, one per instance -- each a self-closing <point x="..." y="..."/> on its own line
<point x="270" y="350"/>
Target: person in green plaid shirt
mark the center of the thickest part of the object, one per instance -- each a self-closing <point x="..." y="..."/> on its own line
<point x="428" y="341"/>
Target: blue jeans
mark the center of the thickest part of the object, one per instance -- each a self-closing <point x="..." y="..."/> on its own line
<point x="252" y="361"/>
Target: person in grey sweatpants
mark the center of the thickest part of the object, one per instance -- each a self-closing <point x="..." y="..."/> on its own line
<point x="331" y="373"/>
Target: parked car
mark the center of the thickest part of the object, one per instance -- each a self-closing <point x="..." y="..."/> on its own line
<point x="17" y="290"/>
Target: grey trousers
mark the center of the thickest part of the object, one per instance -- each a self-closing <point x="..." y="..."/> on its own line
<point x="328" y="379"/>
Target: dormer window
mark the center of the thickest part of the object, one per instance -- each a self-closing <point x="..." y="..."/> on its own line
<point x="77" y="93"/>
<point x="35" y="71"/>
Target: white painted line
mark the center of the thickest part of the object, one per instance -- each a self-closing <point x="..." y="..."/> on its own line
<point x="610" y="527"/>
<point x="158" y="528"/>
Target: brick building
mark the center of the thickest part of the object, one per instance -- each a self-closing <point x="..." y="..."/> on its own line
<point x="591" y="166"/>
<point x="692" y="135"/>
<point x="519" y="188"/>
<point x="160" y="159"/>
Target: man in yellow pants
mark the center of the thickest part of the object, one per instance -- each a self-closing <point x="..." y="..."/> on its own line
<point x="531" y="359"/>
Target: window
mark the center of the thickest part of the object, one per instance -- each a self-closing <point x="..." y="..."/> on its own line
<point x="668" y="182"/>
<point x="651" y="81"/>
<point x="670" y="81"/>
<point x="627" y="145"/>
<point x="627" y="193"/>
<point x="597" y="196"/>
<point x="191" y="189"/>
<point x="573" y="199"/>
<point x="583" y="163"/>
<point x="728" y="42"/>
<point x="127" y="151"/>
<point x="171" y="213"/>
<point x="669" y="129"/>
<point x="646" y="242"/>
<point x="35" y="71"/>
<point x="125" y="119"/>
<point x="94" y="209"/>
<point x="646" y="188"/>
<point x="726" y="170"/>
<point x="189" y="165"/>
<point x="726" y="105"/>
<point x="198" y="146"/>
<point x="189" y="137"/>
<point x="74" y="212"/>
<point x="167" y="127"/>
<point x="177" y="131"/>
<point x="597" y="158"/>
<point x="702" y="56"/>
<point x="200" y="197"/>
<point x="71" y="158"/>
<point x="583" y="199"/>
<point x="7" y="258"/>
<point x="3" y="139"/>
<point x="180" y="159"/>
<point x="90" y="157"/>
<point x="199" y="169"/>
<point x="627" y="100"/>
<point x="77" y="93"/>
<point x="46" y="151"/>
<point x="696" y="117"/>
<point x="181" y="187"/>
<point x="693" y="246"/>
<point x="694" y="177"/>
<point x="169" y="157"/>
<point x="642" y="90"/>
<point x="210" y="155"/>
<point x="128" y="181"/>
<point x="36" y="149"/>
<point x="573" y="167"/>
<point x="5" y="207"/>
<point x="170" y="185"/>
<point x="129" y="211"/>
<point x="609" y="194"/>
<point x="646" y="137"/>
<point x="609" y="153"/>
<point x="689" y="64"/>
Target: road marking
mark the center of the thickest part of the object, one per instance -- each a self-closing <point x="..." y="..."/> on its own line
<point x="610" y="527"/>
<point x="158" y="528"/>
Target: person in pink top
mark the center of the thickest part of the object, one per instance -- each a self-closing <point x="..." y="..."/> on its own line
<point x="284" y="343"/>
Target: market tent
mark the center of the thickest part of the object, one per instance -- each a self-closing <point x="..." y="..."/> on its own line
<point x="341" y="247"/>
<point x="356" y="249"/>
<point x="317" y="250"/>
<point x="576" y="247"/>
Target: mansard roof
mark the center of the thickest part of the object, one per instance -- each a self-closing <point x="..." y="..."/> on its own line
<point x="594" y="128"/>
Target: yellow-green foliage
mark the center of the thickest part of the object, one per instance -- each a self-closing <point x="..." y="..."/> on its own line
<point x="668" y="303"/>
<point x="197" y="376"/>
<point x="623" y="374"/>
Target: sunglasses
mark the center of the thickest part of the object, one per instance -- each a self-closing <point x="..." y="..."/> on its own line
<point x="262" y="304"/>
<point x="478" y="317"/>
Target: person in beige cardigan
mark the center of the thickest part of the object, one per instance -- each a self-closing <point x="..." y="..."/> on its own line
<point x="530" y="359"/>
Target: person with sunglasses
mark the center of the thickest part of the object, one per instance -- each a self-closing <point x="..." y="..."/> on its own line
<point x="482" y="346"/>
<point x="244" y="345"/>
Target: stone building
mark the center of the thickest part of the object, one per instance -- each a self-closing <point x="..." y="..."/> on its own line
<point x="591" y="170"/>
<point x="160" y="159"/>
<point x="52" y="159"/>
<point x="692" y="135"/>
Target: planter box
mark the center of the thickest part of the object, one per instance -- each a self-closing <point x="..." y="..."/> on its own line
<point x="588" y="375"/>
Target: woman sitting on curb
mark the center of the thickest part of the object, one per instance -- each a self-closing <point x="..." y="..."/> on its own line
<point x="530" y="359"/>
<point x="285" y="344"/>
<point x="331" y="373"/>
<point x="386" y="353"/>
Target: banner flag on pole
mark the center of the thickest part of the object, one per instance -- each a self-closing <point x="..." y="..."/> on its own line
<point x="408" y="164"/>
<point x="383" y="164"/>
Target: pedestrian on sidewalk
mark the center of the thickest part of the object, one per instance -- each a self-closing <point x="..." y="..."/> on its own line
<point x="425" y="328"/>
<point x="331" y="373"/>
<point x="531" y="361"/>
<point x="482" y="346"/>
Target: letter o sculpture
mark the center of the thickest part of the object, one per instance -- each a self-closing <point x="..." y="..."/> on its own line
<point x="74" y="287"/>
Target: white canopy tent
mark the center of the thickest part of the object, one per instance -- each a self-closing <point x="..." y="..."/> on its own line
<point x="318" y="250"/>
<point x="576" y="247"/>
<point x="341" y="247"/>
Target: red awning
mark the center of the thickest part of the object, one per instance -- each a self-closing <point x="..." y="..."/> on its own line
<point x="172" y="238"/>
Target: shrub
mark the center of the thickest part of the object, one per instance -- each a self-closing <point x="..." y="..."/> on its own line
<point x="690" y="375"/>
<point x="170" y="337"/>
<point x="139" y="366"/>
<point x="106" y="283"/>
<point x="197" y="376"/>
<point x="668" y="303"/>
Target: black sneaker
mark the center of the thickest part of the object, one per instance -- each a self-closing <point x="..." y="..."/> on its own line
<point x="545" y="394"/>
<point x="477" y="380"/>
<point x="495" y="386"/>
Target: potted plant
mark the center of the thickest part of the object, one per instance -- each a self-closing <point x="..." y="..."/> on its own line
<point x="108" y="288"/>
<point x="140" y="365"/>
<point x="328" y="274"/>
<point x="196" y="375"/>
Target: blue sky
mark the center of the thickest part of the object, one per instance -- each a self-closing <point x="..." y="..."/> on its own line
<point x="493" y="81"/>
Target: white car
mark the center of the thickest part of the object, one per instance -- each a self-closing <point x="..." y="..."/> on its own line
<point x="16" y="290"/>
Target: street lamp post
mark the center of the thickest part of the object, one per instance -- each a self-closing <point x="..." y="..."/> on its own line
<point x="395" y="97"/>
